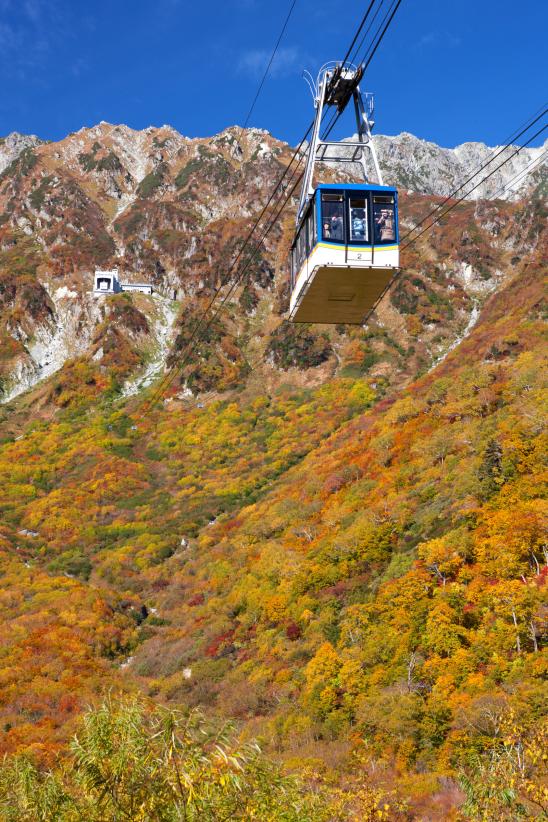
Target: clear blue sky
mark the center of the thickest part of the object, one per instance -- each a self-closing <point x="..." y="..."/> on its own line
<point x="447" y="71"/>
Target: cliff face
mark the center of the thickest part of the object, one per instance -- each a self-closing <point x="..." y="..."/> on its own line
<point x="12" y="146"/>
<point x="421" y="166"/>
<point x="160" y="207"/>
<point x="173" y="211"/>
<point x="332" y="535"/>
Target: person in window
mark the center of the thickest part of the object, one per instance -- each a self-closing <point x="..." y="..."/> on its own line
<point x="336" y="227"/>
<point x="358" y="224"/>
<point x="384" y="226"/>
<point x="387" y="230"/>
<point x="326" y="231"/>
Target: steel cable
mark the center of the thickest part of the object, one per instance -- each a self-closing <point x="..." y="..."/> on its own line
<point x="486" y="177"/>
<point x="168" y="378"/>
<point x="481" y="168"/>
<point x="272" y="56"/>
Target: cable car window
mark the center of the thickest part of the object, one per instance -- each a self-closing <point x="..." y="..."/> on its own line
<point x="311" y="234"/>
<point x="301" y="245"/>
<point x="384" y="221"/>
<point x="358" y="219"/>
<point x="332" y="217"/>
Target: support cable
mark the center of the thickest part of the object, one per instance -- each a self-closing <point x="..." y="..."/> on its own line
<point x="358" y="32"/>
<point x="486" y="163"/>
<point x="272" y="56"/>
<point x="188" y="349"/>
<point x="227" y="276"/>
<point x="168" y="378"/>
<point x="235" y="282"/>
<point x="366" y="32"/>
<point x="504" y="187"/>
<point x="464" y="196"/>
<point x="370" y="51"/>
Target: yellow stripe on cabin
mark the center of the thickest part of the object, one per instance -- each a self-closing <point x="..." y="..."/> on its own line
<point x="341" y="247"/>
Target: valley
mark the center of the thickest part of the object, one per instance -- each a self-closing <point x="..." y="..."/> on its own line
<point x="333" y="536"/>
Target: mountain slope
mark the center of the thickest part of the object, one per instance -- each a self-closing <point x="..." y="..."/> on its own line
<point x="392" y="583"/>
<point x="168" y="210"/>
<point x="411" y="163"/>
<point x="332" y="535"/>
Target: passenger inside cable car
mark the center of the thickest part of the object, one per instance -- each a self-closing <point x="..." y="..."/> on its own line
<point x="383" y="219"/>
<point x="358" y="220"/>
<point x="332" y="216"/>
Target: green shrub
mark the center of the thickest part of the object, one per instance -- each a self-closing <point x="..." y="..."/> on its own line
<point x="152" y="181"/>
<point x="133" y="761"/>
<point x="185" y="174"/>
<point x="73" y="563"/>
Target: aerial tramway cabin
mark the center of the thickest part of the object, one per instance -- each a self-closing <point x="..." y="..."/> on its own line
<point x="346" y="247"/>
<point x="345" y="253"/>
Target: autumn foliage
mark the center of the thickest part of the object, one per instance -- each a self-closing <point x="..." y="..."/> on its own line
<point x="340" y="546"/>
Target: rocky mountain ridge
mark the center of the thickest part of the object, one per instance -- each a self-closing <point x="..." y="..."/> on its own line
<point x="407" y="161"/>
<point x="172" y="210"/>
<point x="424" y="167"/>
<point x="13" y="144"/>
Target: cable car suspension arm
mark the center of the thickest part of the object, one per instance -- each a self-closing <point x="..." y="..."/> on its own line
<point x="336" y="85"/>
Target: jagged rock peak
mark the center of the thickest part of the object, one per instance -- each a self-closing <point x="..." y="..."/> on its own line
<point x="13" y="144"/>
<point x="16" y="138"/>
<point x="420" y="165"/>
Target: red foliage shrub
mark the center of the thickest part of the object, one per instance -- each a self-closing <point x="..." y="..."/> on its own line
<point x="293" y="631"/>
<point x="221" y="645"/>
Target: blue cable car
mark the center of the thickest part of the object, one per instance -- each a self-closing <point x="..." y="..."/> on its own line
<point x="346" y="247"/>
<point x="345" y="253"/>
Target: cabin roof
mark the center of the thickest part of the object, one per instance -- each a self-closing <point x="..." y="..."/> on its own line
<point x="355" y="187"/>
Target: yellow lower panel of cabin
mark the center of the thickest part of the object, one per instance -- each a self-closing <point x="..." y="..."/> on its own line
<point x="341" y="294"/>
